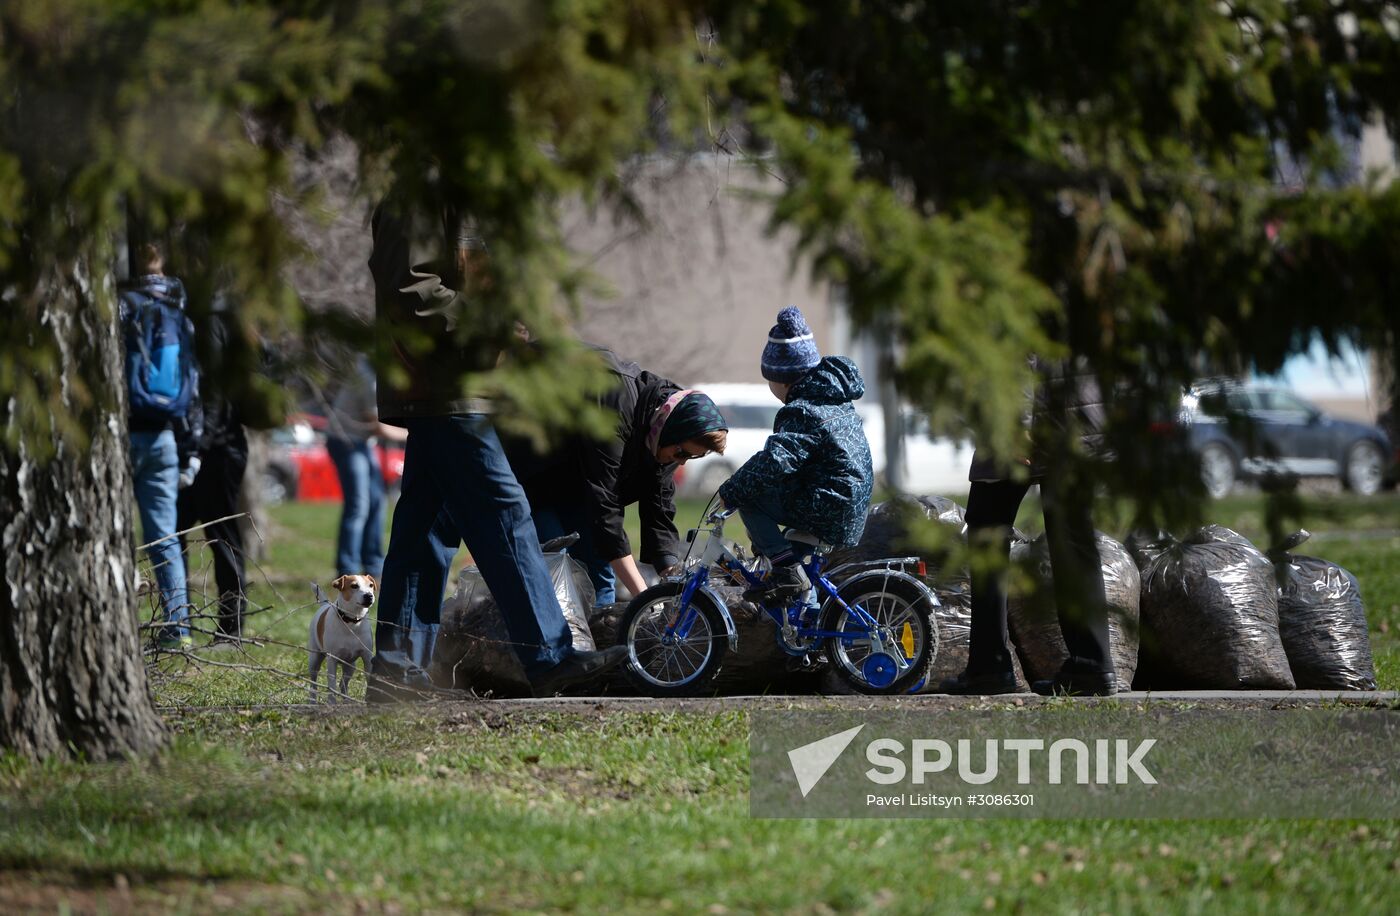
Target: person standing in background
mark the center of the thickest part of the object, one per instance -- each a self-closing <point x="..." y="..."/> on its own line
<point x="162" y="383"/>
<point x="1067" y="407"/>
<point x="352" y="428"/>
<point x="212" y="495"/>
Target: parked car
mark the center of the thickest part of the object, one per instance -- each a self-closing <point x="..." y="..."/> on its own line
<point x="1389" y="422"/>
<point x="300" y="468"/>
<point x="1248" y="430"/>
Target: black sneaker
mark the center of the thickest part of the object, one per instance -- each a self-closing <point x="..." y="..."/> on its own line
<point x="577" y="668"/>
<point x="1078" y="684"/>
<point x="783" y="584"/>
<point x="987" y="683"/>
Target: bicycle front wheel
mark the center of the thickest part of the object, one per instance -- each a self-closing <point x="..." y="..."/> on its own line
<point x="670" y="665"/>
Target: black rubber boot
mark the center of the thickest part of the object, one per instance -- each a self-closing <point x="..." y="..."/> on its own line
<point x="988" y="683"/>
<point x="1078" y="683"/>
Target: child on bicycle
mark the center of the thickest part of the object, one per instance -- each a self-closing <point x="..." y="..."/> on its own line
<point x="814" y="473"/>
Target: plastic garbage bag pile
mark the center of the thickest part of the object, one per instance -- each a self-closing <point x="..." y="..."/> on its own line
<point x="1034" y="622"/>
<point x="474" y="651"/>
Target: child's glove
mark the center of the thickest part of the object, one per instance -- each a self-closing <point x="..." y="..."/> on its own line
<point x="189" y="472"/>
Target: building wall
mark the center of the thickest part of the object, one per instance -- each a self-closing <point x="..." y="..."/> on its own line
<point x="696" y="281"/>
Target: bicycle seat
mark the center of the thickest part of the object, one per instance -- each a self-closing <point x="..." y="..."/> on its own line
<point x="806" y="537"/>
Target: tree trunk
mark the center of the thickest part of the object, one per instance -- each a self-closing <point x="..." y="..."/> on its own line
<point x="71" y="676"/>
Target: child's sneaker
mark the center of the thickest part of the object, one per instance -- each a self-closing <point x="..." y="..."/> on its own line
<point x="783" y="584"/>
<point x="176" y="643"/>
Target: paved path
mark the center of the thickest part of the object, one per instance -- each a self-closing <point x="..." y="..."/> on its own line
<point x="1175" y="699"/>
<point x="1214" y="699"/>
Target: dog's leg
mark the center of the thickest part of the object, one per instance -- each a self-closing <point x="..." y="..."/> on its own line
<point x="330" y="679"/>
<point x="316" y="659"/>
<point x="368" y="658"/>
<point x="346" y="670"/>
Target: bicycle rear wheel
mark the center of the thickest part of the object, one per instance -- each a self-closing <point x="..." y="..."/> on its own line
<point x="905" y="615"/>
<point x="662" y="666"/>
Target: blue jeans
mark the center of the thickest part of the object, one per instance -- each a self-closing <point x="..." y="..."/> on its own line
<point x="556" y="521"/>
<point x="359" y="548"/>
<point x="457" y="486"/>
<point x="764" y="519"/>
<point x="155" y="471"/>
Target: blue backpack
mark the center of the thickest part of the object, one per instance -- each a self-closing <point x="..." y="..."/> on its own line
<point x="161" y="378"/>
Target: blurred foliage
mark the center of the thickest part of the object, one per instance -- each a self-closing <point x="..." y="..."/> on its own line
<point x="181" y="121"/>
<point x="1157" y="189"/>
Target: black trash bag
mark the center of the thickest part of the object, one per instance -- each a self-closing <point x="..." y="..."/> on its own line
<point x="474" y="651"/>
<point x="1146" y="546"/>
<point x="1210" y="616"/>
<point x="1035" y="625"/>
<point x="1322" y="621"/>
<point x="888" y="527"/>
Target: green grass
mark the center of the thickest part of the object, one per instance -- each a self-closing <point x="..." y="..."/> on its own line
<point x="464" y="807"/>
<point x="632" y="812"/>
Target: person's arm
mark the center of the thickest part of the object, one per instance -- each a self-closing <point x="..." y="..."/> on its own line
<point x="602" y="462"/>
<point x="783" y="454"/>
<point x="657" y="512"/>
<point x="189" y="430"/>
<point x="389" y="433"/>
<point x="625" y="568"/>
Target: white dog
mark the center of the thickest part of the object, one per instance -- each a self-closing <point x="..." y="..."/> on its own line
<point x="341" y="630"/>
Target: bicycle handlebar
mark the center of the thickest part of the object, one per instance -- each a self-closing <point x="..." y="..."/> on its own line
<point x="720" y="515"/>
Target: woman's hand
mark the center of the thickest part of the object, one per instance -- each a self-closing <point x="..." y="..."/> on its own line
<point x="625" y="568"/>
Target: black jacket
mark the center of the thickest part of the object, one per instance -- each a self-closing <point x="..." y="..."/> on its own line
<point x="1067" y="404"/>
<point x="612" y="474"/>
<point x="417" y="317"/>
<point x="220" y="424"/>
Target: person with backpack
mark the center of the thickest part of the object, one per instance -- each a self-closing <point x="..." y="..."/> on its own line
<point x="162" y="383"/>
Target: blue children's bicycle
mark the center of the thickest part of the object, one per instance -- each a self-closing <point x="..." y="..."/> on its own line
<point x="876" y="628"/>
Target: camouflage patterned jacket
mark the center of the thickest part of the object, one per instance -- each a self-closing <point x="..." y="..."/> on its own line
<point x="817" y="462"/>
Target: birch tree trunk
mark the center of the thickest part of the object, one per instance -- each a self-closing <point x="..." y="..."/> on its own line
<point x="72" y="681"/>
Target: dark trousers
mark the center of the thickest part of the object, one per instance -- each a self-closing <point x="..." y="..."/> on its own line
<point x="1074" y="561"/>
<point x="457" y="486"/>
<point x="214" y="495"/>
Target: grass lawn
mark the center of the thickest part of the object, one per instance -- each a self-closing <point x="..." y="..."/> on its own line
<point x="461" y="806"/>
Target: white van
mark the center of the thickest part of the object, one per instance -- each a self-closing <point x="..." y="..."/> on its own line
<point x="931" y="465"/>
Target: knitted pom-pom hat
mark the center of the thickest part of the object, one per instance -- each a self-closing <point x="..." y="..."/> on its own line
<point x="791" y="352"/>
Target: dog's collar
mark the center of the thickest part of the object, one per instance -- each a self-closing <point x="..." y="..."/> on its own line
<point x="345" y="617"/>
